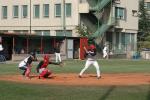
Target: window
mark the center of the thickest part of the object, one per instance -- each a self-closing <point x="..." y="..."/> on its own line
<point x="46" y="32"/>
<point x="68" y="10"/>
<point x="36" y="11"/>
<point x="83" y="1"/>
<point x="42" y="32"/>
<point x="57" y="10"/>
<point x="120" y="13"/>
<point x="17" y="31"/>
<point x="127" y="38"/>
<point x="4" y="12"/>
<point x="147" y="5"/>
<point x="123" y="38"/>
<point x="59" y="33"/>
<point x="15" y="11"/>
<point x="24" y="11"/>
<point x="25" y="31"/>
<point x="38" y="32"/>
<point x="68" y="33"/>
<point x="117" y="38"/>
<point x="3" y="31"/>
<point x="46" y="10"/>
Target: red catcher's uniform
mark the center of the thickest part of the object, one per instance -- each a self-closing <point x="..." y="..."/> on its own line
<point x="42" y="68"/>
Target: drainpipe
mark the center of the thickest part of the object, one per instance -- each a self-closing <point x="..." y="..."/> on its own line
<point x="29" y="30"/>
<point x="30" y="17"/>
<point x="64" y="24"/>
<point x="13" y="45"/>
<point x="63" y="16"/>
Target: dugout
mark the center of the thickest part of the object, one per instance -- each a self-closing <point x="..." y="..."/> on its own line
<point x="17" y="46"/>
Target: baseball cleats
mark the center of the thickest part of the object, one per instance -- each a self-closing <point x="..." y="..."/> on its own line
<point x="80" y="76"/>
<point x="99" y="77"/>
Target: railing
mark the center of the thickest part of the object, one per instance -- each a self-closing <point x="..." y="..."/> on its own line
<point x="100" y="5"/>
<point x="18" y="57"/>
<point x="2" y="58"/>
<point x="121" y="48"/>
<point x="100" y="31"/>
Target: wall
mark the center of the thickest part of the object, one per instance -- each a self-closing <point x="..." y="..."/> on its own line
<point x="130" y="24"/>
<point x="52" y="23"/>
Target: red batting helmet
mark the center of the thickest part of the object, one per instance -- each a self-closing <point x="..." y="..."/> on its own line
<point x="92" y="47"/>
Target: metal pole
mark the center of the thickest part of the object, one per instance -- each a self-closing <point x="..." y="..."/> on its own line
<point x="30" y="16"/>
<point x="64" y="19"/>
<point x="41" y="45"/>
<point x="27" y="45"/>
<point x="64" y="25"/>
<point x="13" y="45"/>
<point x="29" y="30"/>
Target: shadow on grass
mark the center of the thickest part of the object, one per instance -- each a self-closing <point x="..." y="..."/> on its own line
<point x="148" y="95"/>
<point x="104" y="97"/>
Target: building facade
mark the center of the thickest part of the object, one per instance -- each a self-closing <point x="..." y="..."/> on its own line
<point x="114" y="22"/>
<point x="36" y="25"/>
<point x="147" y="5"/>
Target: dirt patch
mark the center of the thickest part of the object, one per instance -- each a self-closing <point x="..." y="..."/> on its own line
<point x="88" y="79"/>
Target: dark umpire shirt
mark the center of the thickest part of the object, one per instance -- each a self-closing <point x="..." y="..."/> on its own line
<point x="57" y="50"/>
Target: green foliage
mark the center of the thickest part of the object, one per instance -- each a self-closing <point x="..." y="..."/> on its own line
<point x="82" y="30"/>
<point x="143" y="44"/>
<point x="144" y="21"/>
<point x="144" y="27"/>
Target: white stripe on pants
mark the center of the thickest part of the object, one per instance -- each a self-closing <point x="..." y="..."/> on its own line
<point x="91" y="62"/>
<point x="58" y="57"/>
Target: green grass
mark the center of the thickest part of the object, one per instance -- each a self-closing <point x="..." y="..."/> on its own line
<point x="106" y="66"/>
<point x="16" y="91"/>
<point x="20" y="91"/>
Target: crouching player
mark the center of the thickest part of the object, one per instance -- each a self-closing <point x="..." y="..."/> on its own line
<point x="42" y="69"/>
<point x="25" y="65"/>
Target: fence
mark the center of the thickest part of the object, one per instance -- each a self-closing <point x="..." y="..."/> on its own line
<point x="2" y="58"/>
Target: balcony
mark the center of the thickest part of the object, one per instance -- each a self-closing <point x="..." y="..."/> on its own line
<point x="84" y="7"/>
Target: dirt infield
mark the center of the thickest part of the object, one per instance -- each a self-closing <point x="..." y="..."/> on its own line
<point x="88" y="79"/>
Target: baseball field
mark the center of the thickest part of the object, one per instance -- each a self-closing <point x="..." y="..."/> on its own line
<point x="121" y="80"/>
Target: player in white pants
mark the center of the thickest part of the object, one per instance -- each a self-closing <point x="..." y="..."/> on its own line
<point x="58" y="58"/>
<point x="91" y="61"/>
<point x="105" y="52"/>
<point x="57" y="52"/>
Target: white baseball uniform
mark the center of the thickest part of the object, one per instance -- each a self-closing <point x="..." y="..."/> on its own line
<point x="91" y="61"/>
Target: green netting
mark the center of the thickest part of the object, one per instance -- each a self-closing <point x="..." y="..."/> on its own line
<point x="100" y="5"/>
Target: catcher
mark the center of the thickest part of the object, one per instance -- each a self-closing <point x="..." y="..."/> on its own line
<point x="91" y="60"/>
<point x="42" y="69"/>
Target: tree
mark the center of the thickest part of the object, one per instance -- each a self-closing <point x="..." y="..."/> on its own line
<point x="82" y="30"/>
<point x="144" y="26"/>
